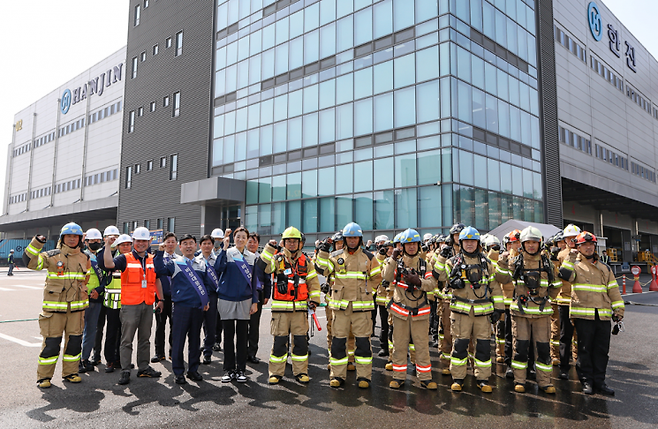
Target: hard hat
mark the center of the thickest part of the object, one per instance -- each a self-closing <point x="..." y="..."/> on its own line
<point x="512" y="236"/>
<point x="217" y="233"/>
<point x="483" y="238"/>
<point x="11" y="251"/>
<point x="559" y="236"/>
<point x="409" y="236"/>
<point x="123" y="238"/>
<point x="141" y="233"/>
<point x="491" y="240"/>
<point x="111" y="230"/>
<point x="469" y="233"/>
<point x="457" y="228"/>
<point x="427" y="236"/>
<point x="291" y="232"/>
<point x="396" y="239"/>
<point x="352" y="229"/>
<point x="441" y="238"/>
<point x="531" y="233"/>
<point x="585" y="237"/>
<point x="381" y="238"/>
<point x="338" y="237"/>
<point x="70" y="228"/>
<point x="571" y="231"/>
<point x="93" y="234"/>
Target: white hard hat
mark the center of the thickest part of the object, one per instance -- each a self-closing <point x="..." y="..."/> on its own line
<point x="571" y="231"/>
<point x="217" y="233"/>
<point x="531" y="233"/>
<point x="141" y="233"/>
<point x="111" y="230"/>
<point x="491" y="240"/>
<point x="93" y="234"/>
<point x="381" y="238"/>
<point x="427" y="236"/>
<point x="123" y="238"/>
<point x="11" y="251"/>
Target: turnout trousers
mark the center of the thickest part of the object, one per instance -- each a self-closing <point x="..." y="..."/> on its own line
<point x="525" y="329"/>
<point x="282" y="326"/>
<point x="593" y="347"/>
<point x="465" y="326"/>
<point x="360" y="324"/>
<point x="555" y="332"/>
<point x="445" y="346"/>
<point x="406" y="333"/>
<point x="330" y="335"/>
<point x="54" y="326"/>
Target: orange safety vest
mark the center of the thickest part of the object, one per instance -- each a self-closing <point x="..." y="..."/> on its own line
<point x="286" y="273"/>
<point x="132" y="292"/>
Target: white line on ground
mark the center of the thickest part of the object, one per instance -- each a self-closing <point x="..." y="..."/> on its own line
<point x="21" y="342"/>
<point x="5" y="290"/>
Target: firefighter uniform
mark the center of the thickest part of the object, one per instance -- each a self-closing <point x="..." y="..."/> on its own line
<point x="595" y="299"/>
<point x="296" y="286"/>
<point x="534" y="285"/>
<point x="476" y="294"/>
<point x="64" y="301"/>
<point x="411" y="312"/>
<point x="503" y="326"/>
<point x="568" y="335"/>
<point x="351" y="301"/>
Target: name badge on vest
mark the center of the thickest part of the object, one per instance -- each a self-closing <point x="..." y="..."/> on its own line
<point x="287" y="271"/>
<point x="144" y="284"/>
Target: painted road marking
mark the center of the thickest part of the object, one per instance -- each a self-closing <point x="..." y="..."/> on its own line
<point x="5" y="290"/>
<point x="21" y="342"/>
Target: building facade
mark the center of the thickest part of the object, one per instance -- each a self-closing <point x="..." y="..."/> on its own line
<point x="63" y="162"/>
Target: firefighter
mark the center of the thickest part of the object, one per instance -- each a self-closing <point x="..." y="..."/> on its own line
<point x="568" y="337"/>
<point x="383" y="296"/>
<point x="595" y="299"/>
<point x="296" y="292"/>
<point x="64" y="300"/>
<point x="355" y="270"/>
<point x="476" y="295"/>
<point x="551" y="250"/>
<point x="396" y="245"/>
<point x="411" y="281"/>
<point x="535" y="285"/>
<point x="492" y="246"/>
<point x="511" y="245"/>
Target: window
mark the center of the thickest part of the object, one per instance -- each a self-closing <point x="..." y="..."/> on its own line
<point x="163" y="162"/>
<point x="129" y="177"/>
<point x="159" y="223"/>
<point x="146" y="4"/>
<point x="131" y="121"/>
<point x="168" y="42"/>
<point x="179" y="43"/>
<point x="156" y="49"/>
<point x="135" y="224"/>
<point x="143" y="56"/>
<point x="171" y="224"/>
<point x="138" y="168"/>
<point x="140" y="112"/>
<point x="134" y="70"/>
<point x="126" y="227"/>
<point x="149" y="165"/>
<point x="153" y="105"/>
<point x="147" y="224"/>
<point x="173" y="168"/>
<point x="138" y="14"/>
<point x="176" y="111"/>
<point x="165" y="101"/>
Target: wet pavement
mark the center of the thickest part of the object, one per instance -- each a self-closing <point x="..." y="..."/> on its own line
<point x="99" y="402"/>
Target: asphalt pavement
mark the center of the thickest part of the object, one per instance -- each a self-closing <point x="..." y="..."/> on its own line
<point x="100" y="402"/>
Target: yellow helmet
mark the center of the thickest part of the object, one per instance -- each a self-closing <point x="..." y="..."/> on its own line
<point x="291" y="232"/>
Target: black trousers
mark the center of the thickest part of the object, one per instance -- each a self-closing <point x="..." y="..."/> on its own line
<point x="160" y="327"/>
<point x="593" y="347"/>
<point x="434" y="321"/>
<point x="254" y="327"/>
<point x="566" y="337"/>
<point x="113" y="336"/>
<point x="219" y="328"/>
<point x="383" y="334"/>
<point x="186" y="323"/>
<point x="232" y="329"/>
<point x="99" y="335"/>
<point x="210" y="325"/>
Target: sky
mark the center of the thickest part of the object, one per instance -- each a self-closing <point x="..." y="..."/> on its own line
<point x="50" y="42"/>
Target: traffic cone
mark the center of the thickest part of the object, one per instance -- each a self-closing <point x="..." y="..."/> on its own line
<point x="624" y="285"/>
<point x="654" y="285"/>
<point x="637" y="287"/>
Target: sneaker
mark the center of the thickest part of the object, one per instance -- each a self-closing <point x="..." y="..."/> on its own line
<point x="73" y="378"/>
<point x="44" y="383"/>
<point x="149" y="373"/>
<point x="587" y="389"/>
<point x="217" y="347"/>
<point x="229" y="376"/>
<point x="125" y="377"/>
<point x="157" y="358"/>
<point x="241" y="378"/>
<point x="207" y="360"/>
<point x="429" y="384"/>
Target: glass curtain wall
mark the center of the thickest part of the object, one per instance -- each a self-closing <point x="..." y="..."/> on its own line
<point x="392" y="113"/>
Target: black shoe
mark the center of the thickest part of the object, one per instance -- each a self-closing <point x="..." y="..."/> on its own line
<point x="206" y="360"/>
<point x="81" y="368"/>
<point x="605" y="390"/>
<point x="88" y="366"/>
<point x="180" y="379"/>
<point x="217" y="347"/>
<point x="587" y="389"/>
<point x="253" y="359"/>
<point x="564" y="375"/>
<point x="149" y="373"/>
<point x="241" y="377"/>
<point x="229" y="376"/>
<point x="109" y="368"/>
<point x="194" y="376"/>
<point x="532" y="374"/>
<point x="96" y="360"/>
<point x="125" y="377"/>
<point x="157" y="358"/>
<point x="509" y="373"/>
<point x="383" y="352"/>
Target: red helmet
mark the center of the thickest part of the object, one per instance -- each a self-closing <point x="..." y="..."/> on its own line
<point x="585" y="237"/>
<point x="512" y="236"/>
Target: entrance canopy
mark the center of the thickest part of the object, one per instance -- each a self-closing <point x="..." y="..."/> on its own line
<point x="546" y="229"/>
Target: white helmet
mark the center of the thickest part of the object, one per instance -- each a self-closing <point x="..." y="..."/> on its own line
<point x="217" y="233"/>
<point x="111" y="230"/>
<point x="381" y="238"/>
<point x="427" y="236"/>
<point x="491" y="240"/>
<point x="141" y="233"/>
<point x="571" y="231"/>
<point x="483" y="239"/>
<point x="93" y="234"/>
<point x="531" y="233"/>
<point x="123" y="238"/>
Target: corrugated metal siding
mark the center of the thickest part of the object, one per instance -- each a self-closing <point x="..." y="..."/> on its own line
<point x="548" y="114"/>
<point x="158" y="134"/>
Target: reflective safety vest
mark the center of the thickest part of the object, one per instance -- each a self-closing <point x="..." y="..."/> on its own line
<point x="113" y="292"/>
<point x="294" y="276"/>
<point x="132" y="291"/>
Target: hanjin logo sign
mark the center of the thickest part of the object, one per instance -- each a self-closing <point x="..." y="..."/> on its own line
<point x="94" y="86"/>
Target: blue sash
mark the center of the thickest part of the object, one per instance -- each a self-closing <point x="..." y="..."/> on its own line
<point x="97" y="270"/>
<point x="213" y="275"/>
<point x="238" y="258"/>
<point x="195" y="281"/>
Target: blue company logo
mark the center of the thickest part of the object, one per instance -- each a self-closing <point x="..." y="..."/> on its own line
<point x="65" y="104"/>
<point x="594" y="19"/>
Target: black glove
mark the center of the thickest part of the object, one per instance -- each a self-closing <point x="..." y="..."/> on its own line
<point x="324" y="288"/>
<point x="282" y="287"/>
<point x="396" y="253"/>
<point x="274" y="244"/>
<point x="412" y="279"/>
<point x="325" y="246"/>
<point x="312" y="305"/>
<point x="383" y="250"/>
<point x="495" y="316"/>
<point x="40" y="238"/>
<point x="445" y="251"/>
<point x="424" y="248"/>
